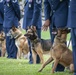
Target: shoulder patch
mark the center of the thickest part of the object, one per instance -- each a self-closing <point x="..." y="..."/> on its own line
<point x="1" y="1"/>
<point x="14" y="1"/>
<point x="38" y="1"/>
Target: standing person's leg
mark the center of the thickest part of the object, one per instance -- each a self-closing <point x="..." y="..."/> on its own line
<point x="30" y="56"/>
<point x="1" y="27"/>
<point x="73" y="36"/>
<point x="13" y="49"/>
<point x="39" y="35"/>
<point x="7" y="42"/>
<point x="10" y="45"/>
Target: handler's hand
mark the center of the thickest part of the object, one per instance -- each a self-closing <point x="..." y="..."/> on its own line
<point x="46" y="25"/>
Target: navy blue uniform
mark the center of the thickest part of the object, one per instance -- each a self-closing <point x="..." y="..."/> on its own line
<point x="11" y="18"/>
<point x="56" y="11"/>
<point x="72" y="25"/>
<point x="1" y="15"/>
<point x="59" y="9"/>
<point x="32" y="16"/>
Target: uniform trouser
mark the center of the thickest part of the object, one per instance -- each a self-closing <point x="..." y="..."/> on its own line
<point x="1" y="27"/>
<point x="30" y="57"/>
<point x="59" y="66"/>
<point x="73" y="36"/>
<point x="10" y="45"/>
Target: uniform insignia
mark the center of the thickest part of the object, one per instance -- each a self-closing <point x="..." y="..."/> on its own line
<point x="1" y="1"/>
<point x="14" y="1"/>
<point x="38" y="1"/>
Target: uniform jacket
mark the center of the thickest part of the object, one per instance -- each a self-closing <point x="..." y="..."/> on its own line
<point x="72" y="14"/>
<point x="32" y="13"/>
<point x="11" y="13"/>
<point x="56" y="11"/>
<point x="1" y="12"/>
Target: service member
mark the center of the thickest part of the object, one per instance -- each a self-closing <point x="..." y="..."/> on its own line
<point x="56" y="12"/>
<point x="11" y="18"/>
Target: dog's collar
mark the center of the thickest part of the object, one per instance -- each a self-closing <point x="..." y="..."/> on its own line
<point x="61" y="40"/>
<point x="16" y="37"/>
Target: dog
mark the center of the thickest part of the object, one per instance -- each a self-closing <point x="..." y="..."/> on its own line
<point x="20" y="41"/>
<point x="2" y="43"/>
<point x="39" y="46"/>
<point x="60" y="53"/>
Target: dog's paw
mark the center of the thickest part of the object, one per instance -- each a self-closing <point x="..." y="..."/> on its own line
<point x="39" y="70"/>
<point x="52" y="71"/>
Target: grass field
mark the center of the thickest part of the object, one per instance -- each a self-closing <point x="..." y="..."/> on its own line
<point x="22" y="67"/>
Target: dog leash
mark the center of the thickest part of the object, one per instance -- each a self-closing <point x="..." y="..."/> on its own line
<point x="69" y="42"/>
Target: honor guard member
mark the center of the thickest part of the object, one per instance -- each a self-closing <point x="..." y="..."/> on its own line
<point x="56" y="12"/>
<point x="1" y="17"/>
<point x="11" y="18"/>
<point x="72" y="25"/>
<point x="32" y="16"/>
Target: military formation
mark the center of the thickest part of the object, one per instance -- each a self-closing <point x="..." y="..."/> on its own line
<point x="60" y="15"/>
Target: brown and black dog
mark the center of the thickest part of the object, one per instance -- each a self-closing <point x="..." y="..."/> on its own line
<point x="39" y="46"/>
<point x="60" y="53"/>
<point x="2" y="43"/>
<point x="20" y="41"/>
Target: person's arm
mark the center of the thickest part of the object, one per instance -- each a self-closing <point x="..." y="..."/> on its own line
<point x="37" y="12"/>
<point x="16" y="8"/>
<point x="47" y="14"/>
<point x="47" y="10"/>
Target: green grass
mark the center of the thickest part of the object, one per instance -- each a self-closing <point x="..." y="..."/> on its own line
<point x="22" y="67"/>
<point x="45" y="34"/>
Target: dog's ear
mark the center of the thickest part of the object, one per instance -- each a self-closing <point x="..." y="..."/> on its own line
<point x="33" y="28"/>
<point x="14" y="28"/>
